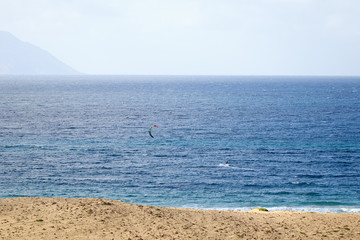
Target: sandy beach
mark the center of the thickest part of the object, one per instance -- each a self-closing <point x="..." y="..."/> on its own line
<point x="60" y="218"/>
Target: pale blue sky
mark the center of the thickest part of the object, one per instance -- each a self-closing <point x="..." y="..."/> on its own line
<point x="230" y="37"/>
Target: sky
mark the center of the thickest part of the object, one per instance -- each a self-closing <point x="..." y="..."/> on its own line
<point x="193" y="37"/>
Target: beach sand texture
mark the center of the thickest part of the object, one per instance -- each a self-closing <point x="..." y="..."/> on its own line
<point x="90" y="218"/>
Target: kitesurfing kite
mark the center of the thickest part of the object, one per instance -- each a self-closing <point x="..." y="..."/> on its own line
<point x="150" y="130"/>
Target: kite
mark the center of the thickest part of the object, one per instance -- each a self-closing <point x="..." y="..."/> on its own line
<point x="150" y="130"/>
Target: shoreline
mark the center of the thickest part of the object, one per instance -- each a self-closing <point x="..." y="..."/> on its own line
<point x="96" y="218"/>
<point x="305" y="208"/>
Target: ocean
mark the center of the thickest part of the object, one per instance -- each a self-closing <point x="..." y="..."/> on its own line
<point x="222" y="142"/>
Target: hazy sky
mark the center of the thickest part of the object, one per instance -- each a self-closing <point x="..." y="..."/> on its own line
<point x="232" y="37"/>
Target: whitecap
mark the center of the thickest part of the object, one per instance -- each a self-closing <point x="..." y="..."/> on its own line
<point x="224" y="165"/>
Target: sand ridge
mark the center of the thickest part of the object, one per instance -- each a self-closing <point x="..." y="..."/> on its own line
<point x="93" y="218"/>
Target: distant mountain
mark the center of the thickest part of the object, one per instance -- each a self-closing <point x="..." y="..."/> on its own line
<point x="18" y="57"/>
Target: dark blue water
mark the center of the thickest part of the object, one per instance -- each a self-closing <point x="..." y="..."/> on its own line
<point x="290" y="142"/>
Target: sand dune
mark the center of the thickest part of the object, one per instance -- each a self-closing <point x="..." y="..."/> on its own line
<point x="58" y="218"/>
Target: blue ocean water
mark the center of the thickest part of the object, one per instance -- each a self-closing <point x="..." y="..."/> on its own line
<point x="290" y="142"/>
